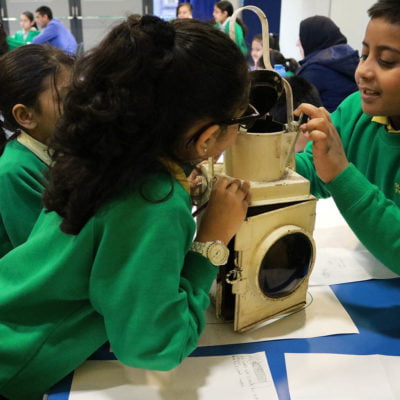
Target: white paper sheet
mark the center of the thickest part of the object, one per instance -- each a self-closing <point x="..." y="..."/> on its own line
<point x="234" y="377"/>
<point x="340" y="256"/>
<point x="336" y="265"/>
<point x="322" y="316"/>
<point x="343" y="377"/>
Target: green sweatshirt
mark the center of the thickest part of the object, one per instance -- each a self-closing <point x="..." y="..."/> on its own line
<point x="239" y="36"/>
<point x="20" y="36"/>
<point x="367" y="192"/>
<point x="127" y="277"/>
<point x="21" y="186"/>
<point x="18" y="39"/>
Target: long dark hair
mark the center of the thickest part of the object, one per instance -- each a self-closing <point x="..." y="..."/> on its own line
<point x="31" y="18"/>
<point x="3" y="40"/>
<point x="277" y="57"/>
<point x="228" y="7"/>
<point x="23" y="74"/>
<point x="132" y="100"/>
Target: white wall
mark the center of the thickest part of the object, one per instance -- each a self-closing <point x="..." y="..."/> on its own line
<point x="350" y="15"/>
<point x="236" y="3"/>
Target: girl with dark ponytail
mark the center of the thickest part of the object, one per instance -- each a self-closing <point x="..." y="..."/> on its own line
<point x="29" y="106"/>
<point x="113" y="258"/>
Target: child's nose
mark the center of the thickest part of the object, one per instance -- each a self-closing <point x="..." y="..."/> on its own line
<point x="365" y="70"/>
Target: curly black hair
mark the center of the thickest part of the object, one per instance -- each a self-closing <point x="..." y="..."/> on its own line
<point x="133" y="98"/>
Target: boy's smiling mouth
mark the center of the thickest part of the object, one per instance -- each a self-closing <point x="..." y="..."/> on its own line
<point x="368" y="93"/>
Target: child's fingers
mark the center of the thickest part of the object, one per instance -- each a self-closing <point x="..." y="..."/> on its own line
<point x="307" y="109"/>
<point x="234" y="185"/>
<point x="318" y="136"/>
<point x="320" y="124"/>
<point x="312" y="111"/>
<point x="245" y="186"/>
<point x="325" y="113"/>
<point x="221" y="182"/>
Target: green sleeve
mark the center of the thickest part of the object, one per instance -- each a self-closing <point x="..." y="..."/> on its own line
<point x="20" y="201"/>
<point x="150" y="290"/>
<point x="239" y="37"/>
<point x="31" y="35"/>
<point x="372" y="217"/>
<point x="14" y="43"/>
<point x="19" y="37"/>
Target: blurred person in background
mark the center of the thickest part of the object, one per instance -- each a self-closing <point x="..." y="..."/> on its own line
<point x="184" y="10"/>
<point x="53" y="32"/>
<point x="328" y="61"/>
<point x="29" y="28"/>
<point x="222" y="13"/>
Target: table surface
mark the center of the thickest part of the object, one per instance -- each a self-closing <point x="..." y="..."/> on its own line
<point x="374" y="306"/>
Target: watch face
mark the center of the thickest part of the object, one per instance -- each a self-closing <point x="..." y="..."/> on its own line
<point x="218" y="253"/>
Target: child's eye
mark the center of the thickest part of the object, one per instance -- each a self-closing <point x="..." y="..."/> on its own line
<point x="385" y="63"/>
<point x="363" y="57"/>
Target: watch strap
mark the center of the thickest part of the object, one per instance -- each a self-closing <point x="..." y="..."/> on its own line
<point x="205" y="249"/>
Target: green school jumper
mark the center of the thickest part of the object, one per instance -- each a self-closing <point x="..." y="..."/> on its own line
<point x="21" y="185"/>
<point x="239" y="36"/>
<point x="127" y="277"/>
<point x="18" y="39"/>
<point x="20" y="36"/>
<point x="367" y="192"/>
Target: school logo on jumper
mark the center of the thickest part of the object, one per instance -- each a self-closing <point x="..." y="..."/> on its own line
<point x="397" y="188"/>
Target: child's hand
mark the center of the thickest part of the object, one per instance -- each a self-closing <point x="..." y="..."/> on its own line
<point x="195" y="180"/>
<point x="329" y="156"/>
<point x="225" y="211"/>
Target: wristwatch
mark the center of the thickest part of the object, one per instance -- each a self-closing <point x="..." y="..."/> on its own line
<point x="215" y="251"/>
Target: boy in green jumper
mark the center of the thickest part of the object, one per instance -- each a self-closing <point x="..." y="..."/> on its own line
<point x="31" y="79"/>
<point x="355" y="153"/>
<point x="113" y="258"/>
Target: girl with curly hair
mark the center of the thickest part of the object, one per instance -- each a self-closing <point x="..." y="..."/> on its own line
<point x="30" y="104"/>
<point x="113" y="258"/>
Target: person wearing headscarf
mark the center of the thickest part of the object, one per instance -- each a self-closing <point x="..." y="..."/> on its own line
<point x="328" y="61"/>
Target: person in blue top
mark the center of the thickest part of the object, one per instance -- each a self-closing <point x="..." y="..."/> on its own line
<point x="329" y="62"/>
<point x="53" y="31"/>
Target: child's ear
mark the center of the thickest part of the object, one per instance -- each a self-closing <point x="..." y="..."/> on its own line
<point x="206" y="140"/>
<point x="24" y="116"/>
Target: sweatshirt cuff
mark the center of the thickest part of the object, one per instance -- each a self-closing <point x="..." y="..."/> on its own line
<point x="348" y="188"/>
<point x="199" y="270"/>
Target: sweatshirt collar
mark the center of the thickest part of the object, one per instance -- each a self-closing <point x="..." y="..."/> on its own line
<point x="178" y="173"/>
<point x="223" y="25"/>
<point x="39" y="149"/>
<point x="383" y="120"/>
